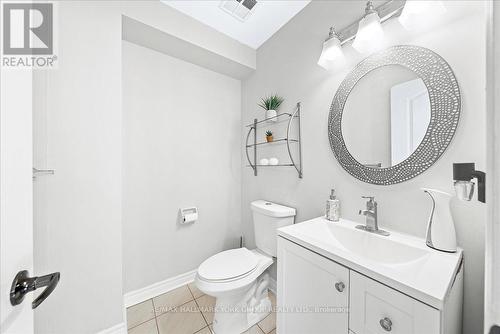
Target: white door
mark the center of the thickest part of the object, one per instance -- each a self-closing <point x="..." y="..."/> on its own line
<point x="16" y="218"/>
<point x="410" y="117"/>
<point x="16" y="208"/>
<point x="313" y="292"/>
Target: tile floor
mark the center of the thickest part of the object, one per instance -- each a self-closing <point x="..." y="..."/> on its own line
<point x="185" y="310"/>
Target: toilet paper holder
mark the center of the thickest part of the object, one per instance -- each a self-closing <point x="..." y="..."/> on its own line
<point x="189" y="215"/>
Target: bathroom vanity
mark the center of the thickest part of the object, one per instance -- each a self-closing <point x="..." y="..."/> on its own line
<point x="334" y="278"/>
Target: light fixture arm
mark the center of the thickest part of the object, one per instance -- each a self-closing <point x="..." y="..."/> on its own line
<point x="388" y="10"/>
<point x="370" y="9"/>
<point x="332" y="34"/>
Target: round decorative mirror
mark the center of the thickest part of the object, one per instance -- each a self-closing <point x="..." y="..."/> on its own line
<point x="394" y="115"/>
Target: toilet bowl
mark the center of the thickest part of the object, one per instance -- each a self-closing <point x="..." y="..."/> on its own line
<point x="237" y="278"/>
<point x="238" y="281"/>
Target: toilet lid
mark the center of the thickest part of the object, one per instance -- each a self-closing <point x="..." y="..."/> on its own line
<point x="228" y="265"/>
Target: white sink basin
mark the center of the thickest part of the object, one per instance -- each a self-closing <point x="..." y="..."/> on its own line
<point x="401" y="261"/>
<point x="375" y="247"/>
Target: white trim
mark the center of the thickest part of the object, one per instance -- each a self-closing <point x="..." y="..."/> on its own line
<point x="124" y="309"/>
<point x="116" y="329"/>
<point x="272" y="285"/>
<point x="492" y="250"/>
<point x="156" y="289"/>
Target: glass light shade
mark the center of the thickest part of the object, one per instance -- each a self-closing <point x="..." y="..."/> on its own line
<point x="464" y="190"/>
<point x="370" y="35"/>
<point x="331" y="54"/>
<point x="419" y="14"/>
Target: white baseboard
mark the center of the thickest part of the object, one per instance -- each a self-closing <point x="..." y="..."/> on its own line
<point x="116" y="329"/>
<point x="272" y="285"/>
<point x="156" y="289"/>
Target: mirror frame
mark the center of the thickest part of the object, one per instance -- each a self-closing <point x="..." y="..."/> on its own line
<point x="445" y="101"/>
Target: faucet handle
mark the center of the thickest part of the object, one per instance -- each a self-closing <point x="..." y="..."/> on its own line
<point x="371" y="204"/>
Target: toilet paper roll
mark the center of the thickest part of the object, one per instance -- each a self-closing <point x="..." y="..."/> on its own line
<point x="190" y="217"/>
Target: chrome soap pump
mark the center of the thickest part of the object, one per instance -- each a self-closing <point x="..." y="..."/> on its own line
<point x="333" y="207"/>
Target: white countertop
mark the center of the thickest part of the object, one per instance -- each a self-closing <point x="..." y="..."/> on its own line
<point x="400" y="261"/>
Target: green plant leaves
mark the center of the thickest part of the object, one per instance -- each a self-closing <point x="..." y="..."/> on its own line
<point x="272" y="102"/>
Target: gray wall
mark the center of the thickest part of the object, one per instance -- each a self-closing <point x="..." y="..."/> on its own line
<point x="181" y="148"/>
<point x="286" y="64"/>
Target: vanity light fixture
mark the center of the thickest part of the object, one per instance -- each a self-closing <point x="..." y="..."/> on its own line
<point x="332" y="51"/>
<point x="367" y="32"/>
<point x="370" y="35"/>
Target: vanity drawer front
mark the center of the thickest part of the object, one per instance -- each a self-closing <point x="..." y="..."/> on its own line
<point x="313" y="292"/>
<point x="376" y="308"/>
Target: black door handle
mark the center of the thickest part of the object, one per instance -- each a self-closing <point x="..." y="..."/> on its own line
<point x="23" y="284"/>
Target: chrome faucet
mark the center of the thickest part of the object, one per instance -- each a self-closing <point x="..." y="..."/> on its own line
<point x="371" y="217"/>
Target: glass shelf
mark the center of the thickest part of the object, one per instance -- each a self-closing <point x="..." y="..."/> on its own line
<point x="274" y="141"/>
<point x="278" y="165"/>
<point x="296" y="162"/>
<point x="271" y="118"/>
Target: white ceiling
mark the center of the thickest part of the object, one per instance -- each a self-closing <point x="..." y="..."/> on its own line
<point x="267" y="18"/>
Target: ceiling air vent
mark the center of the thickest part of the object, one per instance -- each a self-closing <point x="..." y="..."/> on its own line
<point x="240" y="9"/>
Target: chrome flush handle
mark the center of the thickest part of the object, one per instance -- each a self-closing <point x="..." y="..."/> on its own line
<point x="340" y="286"/>
<point x="386" y="324"/>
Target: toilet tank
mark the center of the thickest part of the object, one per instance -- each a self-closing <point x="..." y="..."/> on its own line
<point x="268" y="217"/>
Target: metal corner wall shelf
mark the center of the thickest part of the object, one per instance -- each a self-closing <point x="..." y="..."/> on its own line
<point x="297" y="162"/>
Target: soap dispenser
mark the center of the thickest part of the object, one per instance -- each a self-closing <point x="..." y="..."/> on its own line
<point x="440" y="228"/>
<point x="333" y="207"/>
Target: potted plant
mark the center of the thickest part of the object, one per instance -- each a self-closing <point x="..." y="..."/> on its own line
<point x="271" y="105"/>
<point x="269" y="136"/>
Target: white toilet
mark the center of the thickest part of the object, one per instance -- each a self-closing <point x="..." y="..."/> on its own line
<point x="237" y="277"/>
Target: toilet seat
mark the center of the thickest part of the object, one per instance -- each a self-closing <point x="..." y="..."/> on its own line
<point x="230" y="286"/>
<point x="229" y="265"/>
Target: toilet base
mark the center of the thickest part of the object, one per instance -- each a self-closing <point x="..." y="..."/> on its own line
<point x="238" y="312"/>
<point x="242" y="302"/>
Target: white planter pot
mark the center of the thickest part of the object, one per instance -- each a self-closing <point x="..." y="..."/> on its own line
<point x="271" y="113"/>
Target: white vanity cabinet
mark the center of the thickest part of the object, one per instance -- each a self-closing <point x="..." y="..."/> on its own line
<point x="376" y="308"/>
<point x="318" y="295"/>
<point x="313" y="292"/>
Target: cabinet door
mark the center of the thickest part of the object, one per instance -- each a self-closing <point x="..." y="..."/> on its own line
<point x="378" y="309"/>
<point x="313" y="292"/>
